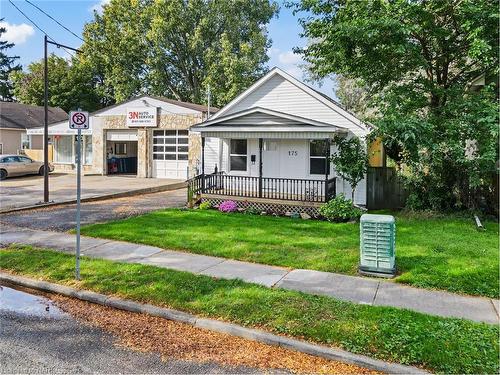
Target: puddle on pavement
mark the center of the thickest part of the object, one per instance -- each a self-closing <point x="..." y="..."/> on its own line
<point x="28" y="304"/>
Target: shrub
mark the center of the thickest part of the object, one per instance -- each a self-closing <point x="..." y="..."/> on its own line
<point x="228" y="206"/>
<point x="252" y="211"/>
<point x="340" y="209"/>
<point x="205" y="205"/>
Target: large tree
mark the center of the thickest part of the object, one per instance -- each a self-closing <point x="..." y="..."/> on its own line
<point x="420" y="56"/>
<point x="71" y="85"/>
<point x="178" y="48"/>
<point x="7" y="66"/>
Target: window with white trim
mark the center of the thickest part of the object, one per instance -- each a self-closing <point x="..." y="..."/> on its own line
<point x="238" y="155"/>
<point x="87" y="150"/>
<point x="317" y="157"/>
<point x="63" y="150"/>
<point x="170" y="144"/>
<point x="25" y="141"/>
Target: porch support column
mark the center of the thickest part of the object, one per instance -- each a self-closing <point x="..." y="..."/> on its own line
<point x="202" y="164"/>
<point x="327" y="166"/>
<point x="260" y="167"/>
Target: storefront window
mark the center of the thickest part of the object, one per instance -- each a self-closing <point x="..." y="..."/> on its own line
<point x="63" y="150"/>
<point x="87" y="154"/>
<point x="238" y="155"/>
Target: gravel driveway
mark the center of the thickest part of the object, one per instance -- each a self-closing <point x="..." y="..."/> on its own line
<point x="62" y="218"/>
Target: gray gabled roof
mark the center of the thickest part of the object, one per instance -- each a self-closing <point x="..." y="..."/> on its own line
<point x="24" y="116"/>
<point x="193" y="106"/>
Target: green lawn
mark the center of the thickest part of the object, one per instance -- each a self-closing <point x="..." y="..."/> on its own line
<point x="441" y="253"/>
<point x="438" y="344"/>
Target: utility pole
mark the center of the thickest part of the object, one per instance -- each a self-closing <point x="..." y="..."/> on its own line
<point x="46" y="114"/>
<point x="45" y="123"/>
<point x="208" y="100"/>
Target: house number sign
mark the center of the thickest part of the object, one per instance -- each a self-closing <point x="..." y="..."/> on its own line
<point x="293" y="153"/>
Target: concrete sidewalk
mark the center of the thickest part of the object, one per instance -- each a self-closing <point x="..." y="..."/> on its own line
<point x="355" y="289"/>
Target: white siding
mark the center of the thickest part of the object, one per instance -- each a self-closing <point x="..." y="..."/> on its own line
<point x="260" y="119"/>
<point x="211" y="154"/>
<point x="279" y="94"/>
<point x="359" y="194"/>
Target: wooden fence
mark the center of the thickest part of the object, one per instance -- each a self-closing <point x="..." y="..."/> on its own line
<point x="384" y="189"/>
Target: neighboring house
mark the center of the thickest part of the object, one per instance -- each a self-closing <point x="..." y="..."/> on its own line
<point x="16" y="118"/>
<point x="145" y="136"/>
<point x="270" y="145"/>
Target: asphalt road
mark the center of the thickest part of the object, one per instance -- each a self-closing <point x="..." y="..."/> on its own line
<point x="63" y="218"/>
<point x="37" y="337"/>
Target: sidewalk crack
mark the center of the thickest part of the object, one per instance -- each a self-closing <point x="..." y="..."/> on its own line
<point x="213" y="265"/>
<point x="281" y="278"/>
<point x="375" y="295"/>
<point x="495" y="307"/>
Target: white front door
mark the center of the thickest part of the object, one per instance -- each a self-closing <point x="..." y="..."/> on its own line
<point x="270" y="158"/>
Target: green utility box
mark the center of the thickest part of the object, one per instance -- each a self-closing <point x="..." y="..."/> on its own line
<point x="377" y="245"/>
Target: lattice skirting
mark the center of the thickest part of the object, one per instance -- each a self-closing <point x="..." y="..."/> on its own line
<point x="268" y="207"/>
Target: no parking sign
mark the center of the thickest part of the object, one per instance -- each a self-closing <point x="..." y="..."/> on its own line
<point x="78" y="120"/>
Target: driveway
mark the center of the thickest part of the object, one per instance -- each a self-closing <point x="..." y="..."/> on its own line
<point x="62" y="218"/>
<point x="28" y="190"/>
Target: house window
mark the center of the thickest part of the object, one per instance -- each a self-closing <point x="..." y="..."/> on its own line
<point x="238" y="155"/>
<point x="317" y="157"/>
<point x="170" y="144"/>
<point x="120" y="149"/>
<point x="63" y="150"/>
<point x="87" y="152"/>
<point x="25" y="141"/>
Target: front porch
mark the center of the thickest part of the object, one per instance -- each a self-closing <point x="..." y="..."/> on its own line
<point x="262" y="157"/>
<point x="219" y="185"/>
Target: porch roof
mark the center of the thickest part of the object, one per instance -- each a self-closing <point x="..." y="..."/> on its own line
<point x="260" y="122"/>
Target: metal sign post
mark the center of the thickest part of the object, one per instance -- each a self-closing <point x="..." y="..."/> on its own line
<point x="78" y="120"/>
<point x="78" y="193"/>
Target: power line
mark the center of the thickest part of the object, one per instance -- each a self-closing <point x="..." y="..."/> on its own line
<point x="53" y="19"/>
<point x="38" y="27"/>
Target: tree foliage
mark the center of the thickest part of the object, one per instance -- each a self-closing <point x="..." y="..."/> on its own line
<point x="7" y="66"/>
<point x="70" y="85"/>
<point x="354" y="96"/>
<point x="420" y="56"/>
<point x="176" y="48"/>
<point x="350" y="160"/>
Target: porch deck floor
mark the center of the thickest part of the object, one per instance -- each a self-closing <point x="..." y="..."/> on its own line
<point x="361" y="290"/>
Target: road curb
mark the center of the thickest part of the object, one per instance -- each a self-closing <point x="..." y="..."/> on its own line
<point x="149" y="190"/>
<point x="214" y="325"/>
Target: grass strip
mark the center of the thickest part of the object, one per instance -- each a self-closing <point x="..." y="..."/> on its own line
<point x="439" y="344"/>
<point x="436" y="252"/>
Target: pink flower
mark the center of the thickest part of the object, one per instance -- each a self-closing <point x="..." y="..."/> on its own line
<point x="228" y="206"/>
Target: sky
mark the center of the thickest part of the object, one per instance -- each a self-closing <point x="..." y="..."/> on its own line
<point x="283" y="30"/>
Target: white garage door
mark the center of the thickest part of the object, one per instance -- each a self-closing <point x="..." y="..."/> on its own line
<point x="121" y="135"/>
<point x="170" y="153"/>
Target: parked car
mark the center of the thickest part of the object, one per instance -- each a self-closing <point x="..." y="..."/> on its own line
<point x="19" y="165"/>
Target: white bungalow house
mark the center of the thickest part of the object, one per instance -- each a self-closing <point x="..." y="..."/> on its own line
<point x="270" y="145"/>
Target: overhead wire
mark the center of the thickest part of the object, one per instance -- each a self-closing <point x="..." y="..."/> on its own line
<point x="53" y="19"/>
<point x="39" y="28"/>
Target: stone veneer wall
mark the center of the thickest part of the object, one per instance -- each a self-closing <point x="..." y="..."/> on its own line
<point x="144" y="140"/>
